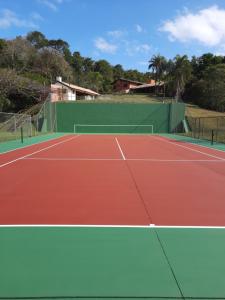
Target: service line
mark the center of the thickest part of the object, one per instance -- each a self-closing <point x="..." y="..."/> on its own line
<point x="128" y="159"/>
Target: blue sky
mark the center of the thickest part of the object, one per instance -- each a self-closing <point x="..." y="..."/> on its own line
<point x="126" y="32"/>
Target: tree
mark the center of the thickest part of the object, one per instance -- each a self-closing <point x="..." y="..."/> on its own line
<point x="200" y="64"/>
<point x="158" y="65"/>
<point x="50" y="63"/>
<point x="88" y="65"/>
<point x="94" y="80"/>
<point x="37" y="39"/>
<point x="106" y="70"/>
<point x="208" y="91"/>
<point x="118" y="72"/>
<point x="77" y="66"/>
<point x="181" y="73"/>
<point x="3" y="44"/>
<point x="17" y="92"/>
<point x="18" y="55"/>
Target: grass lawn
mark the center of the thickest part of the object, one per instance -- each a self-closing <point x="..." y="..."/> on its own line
<point x="197" y="112"/>
<point x="127" y="98"/>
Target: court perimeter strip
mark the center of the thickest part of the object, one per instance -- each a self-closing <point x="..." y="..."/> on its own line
<point x="151" y="226"/>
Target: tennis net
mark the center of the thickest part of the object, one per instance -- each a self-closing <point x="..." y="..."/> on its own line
<point x="114" y="128"/>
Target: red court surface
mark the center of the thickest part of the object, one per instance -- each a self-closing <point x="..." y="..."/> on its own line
<point x="113" y="180"/>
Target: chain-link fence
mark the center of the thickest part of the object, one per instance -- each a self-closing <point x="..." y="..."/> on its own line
<point x="208" y="128"/>
<point x="45" y="120"/>
<point x="16" y="126"/>
<point x="11" y="124"/>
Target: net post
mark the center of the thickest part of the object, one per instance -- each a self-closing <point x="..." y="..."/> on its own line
<point x="21" y="134"/>
<point x="152" y="129"/>
<point x="74" y="128"/>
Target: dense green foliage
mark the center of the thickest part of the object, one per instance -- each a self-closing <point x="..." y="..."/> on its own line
<point x="29" y="64"/>
<point x="200" y="80"/>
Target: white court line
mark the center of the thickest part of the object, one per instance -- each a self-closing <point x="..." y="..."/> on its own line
<point x="150" y="226"/>
<point x="76" y="225"/>
<point x="38" y="151"/>
<point x="120" y="159"/>
<point x="55" y="138"/>
<point x="121" y="151"/>
<point x="186" y="227"/>
<point x="187" y="142"/>
<point x="194" y="150"/>
<point x="176" y="160"/>
<point x="73" y="159"/>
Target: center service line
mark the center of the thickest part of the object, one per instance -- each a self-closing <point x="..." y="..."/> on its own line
<point x="121" y="151"/>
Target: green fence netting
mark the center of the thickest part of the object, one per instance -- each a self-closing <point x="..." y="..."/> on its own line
<point x="117" y="118"/>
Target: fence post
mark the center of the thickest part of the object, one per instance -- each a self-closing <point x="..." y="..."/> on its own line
<point x="212" y="139"/>
<point x="21" y="134"/>
<point x="217" y="128"/>
<point x="30" y="120"/>
<point x="15" y="124"/>
<point x="195" y="128"/>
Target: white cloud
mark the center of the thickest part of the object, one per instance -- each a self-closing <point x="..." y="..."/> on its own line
<point x="133" y="48"/>
<point x="139" y="28"/>
<point x="8" y="19"/>
<point x="207" y="26"/>
<point x="145" y="48"/>
<point x="36" y="16"/>
<point x="102" y="45"/>
<point x="116" y="33"/>
<point x="52" y="4"/>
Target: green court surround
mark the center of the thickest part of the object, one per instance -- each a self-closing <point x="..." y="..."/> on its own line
<point x="114" y="263"/>
<point x="85" y="262"/>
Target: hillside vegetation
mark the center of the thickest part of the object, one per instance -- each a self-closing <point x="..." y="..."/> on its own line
<point x="29" y="64"/>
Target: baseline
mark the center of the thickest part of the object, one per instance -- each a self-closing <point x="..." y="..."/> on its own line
<point x="150" y="226"/>
<point x="128" y="159"/>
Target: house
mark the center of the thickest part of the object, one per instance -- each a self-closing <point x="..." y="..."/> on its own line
<point x="63" y="91"/>
<point x="149" y="88"/>
<point x="123" y="85"/>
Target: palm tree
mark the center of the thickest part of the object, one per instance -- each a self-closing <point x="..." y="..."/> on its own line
<point x="181" y="73"/>
<point x="157" y="64"/>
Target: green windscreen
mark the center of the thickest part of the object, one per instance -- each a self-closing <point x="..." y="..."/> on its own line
<point x="138" y="118"/>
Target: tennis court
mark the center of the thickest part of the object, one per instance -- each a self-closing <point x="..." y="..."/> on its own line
<point x="112" y="216"/>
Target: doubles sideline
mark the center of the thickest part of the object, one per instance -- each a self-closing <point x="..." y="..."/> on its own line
<point x="37" y="143"/>
<point x="189" y="148"/>
<point x="38" y="151"/>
